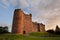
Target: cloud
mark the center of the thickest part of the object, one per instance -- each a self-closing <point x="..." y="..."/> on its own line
<point x="23" y="3"/>
<point x="13" y="2"/>
<point x="8" y="3"/>
<point x="4" y="3"/>
<point x="45" y="11"/>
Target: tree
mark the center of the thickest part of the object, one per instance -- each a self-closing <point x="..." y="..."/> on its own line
<point x="57" y="28"/>
<point x="50" y="31"/>
<point x="3" y="29"/>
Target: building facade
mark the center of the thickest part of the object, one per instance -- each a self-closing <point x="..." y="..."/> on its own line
<point x="22" y="23"/>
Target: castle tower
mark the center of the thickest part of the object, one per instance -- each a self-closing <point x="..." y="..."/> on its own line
<point x="28" y="23"/>
<point x="22" y="23"/>
<point x="17" y="26"/>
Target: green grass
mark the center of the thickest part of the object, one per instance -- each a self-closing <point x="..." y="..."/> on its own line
<point x="24" y="37"/>
<point x="44" y="34"/>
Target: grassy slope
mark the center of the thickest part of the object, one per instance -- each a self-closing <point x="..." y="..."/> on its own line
<point x="22" y="37"/>
<point x="44" y="34"/>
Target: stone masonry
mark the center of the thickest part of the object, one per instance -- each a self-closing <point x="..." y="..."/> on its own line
<point x="22" y="23"/>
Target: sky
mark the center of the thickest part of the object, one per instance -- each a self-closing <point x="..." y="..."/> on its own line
<point x="43" y="11"/>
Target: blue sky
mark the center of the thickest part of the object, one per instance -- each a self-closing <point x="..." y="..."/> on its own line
<point x="43" y="11"/>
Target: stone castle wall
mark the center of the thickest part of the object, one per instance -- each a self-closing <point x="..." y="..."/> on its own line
<point x="18" y="24"/>
<point x="27" y="23"/>
<point x="34" y="27"/>
<point x="42" y="27"/>
<point x="22" y="23"/>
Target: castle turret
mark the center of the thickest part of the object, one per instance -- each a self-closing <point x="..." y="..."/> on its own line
<point x="17" y="26"/>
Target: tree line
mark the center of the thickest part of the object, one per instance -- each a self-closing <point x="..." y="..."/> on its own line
<point x="56" y="31"/>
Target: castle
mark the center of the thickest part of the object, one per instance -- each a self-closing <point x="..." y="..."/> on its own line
<point x="22" y="23"/>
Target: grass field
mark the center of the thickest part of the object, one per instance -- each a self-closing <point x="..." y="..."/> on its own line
<point x="44" y="34"/>
<point x="28" y="37"/>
